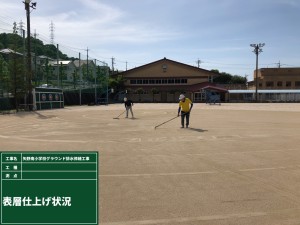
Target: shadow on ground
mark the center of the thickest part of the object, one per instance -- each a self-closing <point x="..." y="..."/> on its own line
<point x="197" y="129"/>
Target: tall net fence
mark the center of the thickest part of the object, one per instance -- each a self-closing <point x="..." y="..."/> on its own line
<point x="83" y="79"/>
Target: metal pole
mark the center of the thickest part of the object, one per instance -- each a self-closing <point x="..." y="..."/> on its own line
<point x="95" y="72"/>
<point x="24" y="61"/>
<point x="80" y="83"/>
<point x="257" y="50"/>
<point x="87" y="63"/>
<point x="30" y="100"/>
<point x="256" y="77"/>
<point x="107" y="72"/>
<point x="57" y="65"/>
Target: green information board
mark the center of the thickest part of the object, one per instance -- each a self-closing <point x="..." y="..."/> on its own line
<point x="49" y="188"/>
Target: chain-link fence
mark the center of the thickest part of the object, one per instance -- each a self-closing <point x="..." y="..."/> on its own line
<point x="84" y="80"/>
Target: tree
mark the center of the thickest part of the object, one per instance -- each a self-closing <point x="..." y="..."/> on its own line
<point x="51" y="75"/>
<point x="62" y="74"/>
<point x="4" y="74"/>
<point x="227" y="78"/>
<point x="102" y="77"/>
<point x="238" y="80"/>
<point x="4" y="40"/>
<point x="75" y="76"/>
<point x="154" y="91"/>
<point x="15" y="29"/>
<point x="16" y="68"/>
<point x="117" y="83"/>
<point x="140" y="91"/>
<point x="223" y="78"/>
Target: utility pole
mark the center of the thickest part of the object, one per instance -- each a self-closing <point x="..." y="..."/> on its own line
<point x="112" y="64"/>
<point x="35" y="66"/>
<point x="29" y="80"/>
<point x="199" y="62"/>
<point x="95" y="72"/>
<point x="279" y="65"/>
<point x="80" y="78"/>
<point x="126" y="65"/>
<point x="24" y="61"/>
<point x="257" y="50"/>
<point x="87" y="62"/>
<point x="57" y="63"/>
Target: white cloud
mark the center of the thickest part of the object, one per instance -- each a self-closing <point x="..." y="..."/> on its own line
<point x="94" y="23"/>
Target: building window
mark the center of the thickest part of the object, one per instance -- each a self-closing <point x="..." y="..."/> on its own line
<point x="170" y="81"/>
<point x="260" y="84"/>
<point x="297" y="83"/>
<point x="158" y="81"/>
<point x="288" y="84"/>
<point x="279" y="83"/>
<point x="269" y="84"/>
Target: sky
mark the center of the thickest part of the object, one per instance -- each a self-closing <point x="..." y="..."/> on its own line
<point x="215" y="33"/>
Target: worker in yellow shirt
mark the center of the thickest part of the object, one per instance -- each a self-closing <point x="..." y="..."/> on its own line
<point x="185" y="106"/>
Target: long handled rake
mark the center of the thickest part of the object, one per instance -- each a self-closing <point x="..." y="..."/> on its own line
<point x="165" y="122"/>
<point x="120" y="115"/>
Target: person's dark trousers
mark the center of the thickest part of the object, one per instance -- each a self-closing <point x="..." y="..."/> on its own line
<point x="187" y="116"/>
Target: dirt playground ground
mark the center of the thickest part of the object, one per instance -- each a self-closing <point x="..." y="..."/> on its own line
<point x="236" y="164"/>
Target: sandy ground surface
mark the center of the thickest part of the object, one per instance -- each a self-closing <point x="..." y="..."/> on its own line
<point x="236" y="164"/>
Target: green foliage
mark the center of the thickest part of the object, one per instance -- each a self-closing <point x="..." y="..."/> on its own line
<point x="102" y="76"/>
<point x="238" y="79"/>
<point x="223" y="78"/>
<point x="87" y="73"/>
<point x="4" y="74"/>
<point x="154" y="91"/>
<point x="62" y="74"/>
<point x="12" y="73"/>
<point x="227" y="78"/>
<point x="140" y="91"/>
<point x="117" y="83"/>
<point x="215" y="71"/>
<point x="75" y="76"/>
<point x="14" y="40"/>
<point x="15" y="29"/>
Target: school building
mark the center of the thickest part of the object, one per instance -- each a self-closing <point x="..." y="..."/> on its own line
<point x="278" y="78"/>
<point x="164" y="80"/>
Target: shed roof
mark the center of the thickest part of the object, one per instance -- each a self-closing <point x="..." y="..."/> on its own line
<point x="9" y="51"/>
<point x="283" y="91"/>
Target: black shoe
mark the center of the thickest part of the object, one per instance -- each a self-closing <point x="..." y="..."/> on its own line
<point x="187" y="126"/>
<point x="182" y="127"/>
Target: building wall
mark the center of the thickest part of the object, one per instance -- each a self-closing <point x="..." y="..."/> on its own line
<point x="166" y="70"/>
<point x="169" y="78"/>
<point x="278" y="78"/>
